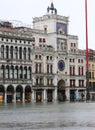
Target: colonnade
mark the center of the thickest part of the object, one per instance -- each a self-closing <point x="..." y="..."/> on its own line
<point x="24" y="94"/>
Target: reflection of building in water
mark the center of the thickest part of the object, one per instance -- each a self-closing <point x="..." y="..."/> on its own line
<point x="41" y="64"/>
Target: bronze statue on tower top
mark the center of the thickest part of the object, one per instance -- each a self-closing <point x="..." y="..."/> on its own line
<point x="52" y="9"/>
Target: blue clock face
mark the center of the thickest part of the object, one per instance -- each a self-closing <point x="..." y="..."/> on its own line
<point x="61" y="65"/>
<point x="61" y="27"/>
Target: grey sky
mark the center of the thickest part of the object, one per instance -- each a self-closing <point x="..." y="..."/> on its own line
<point x="25" y="10"/>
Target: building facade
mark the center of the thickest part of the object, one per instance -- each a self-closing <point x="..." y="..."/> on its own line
<point x="91" y="57"/>
<point x="43" y="64"/>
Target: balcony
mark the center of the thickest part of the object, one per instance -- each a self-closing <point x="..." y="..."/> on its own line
<point x="15" y="81"/>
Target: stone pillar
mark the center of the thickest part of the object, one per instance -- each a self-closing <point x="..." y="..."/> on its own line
<point x="55" y="95"/>
<point x="33" y="96"/>
<point x="14" y="95"/>
<point x="85" y="94"/>
<point x="67" y="92"/>
<point x="23" y="96"/>
<point x="45" y="96"/>
<point x="38" y="68"/>
<point x="5" y="97"/>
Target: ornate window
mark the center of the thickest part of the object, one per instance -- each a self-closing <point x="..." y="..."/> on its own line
<point x="7" y="52"/>
<point x="2" y="51"/>
<point x="24" y="52"/>
<point x="11" y="52"/>
<point x="20" y="53"/>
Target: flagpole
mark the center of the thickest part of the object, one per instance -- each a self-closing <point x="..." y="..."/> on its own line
<point x="87" y="70"/>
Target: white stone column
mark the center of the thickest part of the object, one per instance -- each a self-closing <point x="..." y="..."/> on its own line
<point x="38" y="68"/>
<point x="33" y="96"/>
<point x="67" y="92"/>
<point x="45" y="96"/>
<point x="55" y="94"/>
<point x="85" y="94"/>
<point x="23" y="96"/>
<point x="14" y="95"/>
<point x="5" y="97"/>
<point x="49" y="68"/>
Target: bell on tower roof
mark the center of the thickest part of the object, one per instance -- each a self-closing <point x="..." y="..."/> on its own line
<point x="52" y="9"/>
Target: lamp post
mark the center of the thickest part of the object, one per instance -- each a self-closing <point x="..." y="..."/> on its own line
<point x="87" y="70"/>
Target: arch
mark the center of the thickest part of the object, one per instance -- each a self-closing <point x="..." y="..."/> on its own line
<point x="10" y="93"/>
<point x="28" y="94"/>
<point x="61" y="91"/>
<point x="29" y="72"/>
<point x="2" y="91"/>
<point x="20" y="53"/>
<point x="21" y="72"/>
<point x="24" y="53"/>
<point x="51" y="68"/>
<point x="61" y="84"/>
<point x="27" y="89"/>
<point x="2" y="51"/>
<point x="11" y="71"/>
<point x="2" y="71"/>
<point x="7" y="52"/>
<point x="11" y="52"/>
<point x="7" y="71"/>
<point x="16" y="52"/>
<point x="29" y="51"/>
<point x="19" y="88"/>
<point x="2" y="88"/>
<point x="10" y="88"/>
<point x="16" y="72"/>
<point x="25" y="72"/>
<point x="19" y="92"/>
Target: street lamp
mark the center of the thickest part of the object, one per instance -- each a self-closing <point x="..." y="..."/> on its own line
<point x="87" y="70"/>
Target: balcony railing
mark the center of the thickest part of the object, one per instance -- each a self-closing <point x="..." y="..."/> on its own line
<point x="15" y="81"/>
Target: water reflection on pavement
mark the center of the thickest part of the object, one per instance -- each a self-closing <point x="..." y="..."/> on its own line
<point x="51" y="116"/>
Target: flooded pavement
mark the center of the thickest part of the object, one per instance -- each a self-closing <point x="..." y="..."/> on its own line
<point x="51" y="116"/>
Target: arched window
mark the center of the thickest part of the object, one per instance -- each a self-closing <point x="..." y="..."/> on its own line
<point x="51" y="69"/>
<point x="47" y="68"/>
<point x="20" y="53"/>
<point x="21" y="72"/>
<point x="2" y="71"/>
<point x="25" y="72"/>
<point x="39" y="68"/>
<point x="29" y="73"/>
<point x="7" y="52"/>
<point x="78" y="70"/>
<point x="36" y="68"/>
<point x="7" y="72"/>
<point x="11" y="72"/>
<point x="16" y="72"/>
<point x="11" y="52"/>
<point x="73" y="70"/>
<point x="24" y="53"/>
<point x="29" y="53"/>
<point x="2" y="51"/>
<point x="16" y="53"/>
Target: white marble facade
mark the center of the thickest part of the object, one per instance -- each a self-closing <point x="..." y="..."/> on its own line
<point x="41" y="64"/>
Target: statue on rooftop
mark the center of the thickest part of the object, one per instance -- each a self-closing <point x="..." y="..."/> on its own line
<point x="52" y="9"/>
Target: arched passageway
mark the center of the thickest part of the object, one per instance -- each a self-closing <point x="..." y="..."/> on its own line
<point x="19" y="93"/>
<point x="49" y="95"/>
<point x="39" y="95"/>
<point x="61" y="91"/>
<point x="10" y="93"/>
<point x="1" y="93"/>
<point x="28" y="94"/>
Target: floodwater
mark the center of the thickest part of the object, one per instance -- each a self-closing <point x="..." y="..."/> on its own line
<point x="49" y="116"/>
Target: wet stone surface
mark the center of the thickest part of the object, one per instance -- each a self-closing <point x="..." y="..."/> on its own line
<point x="50" y="116"/>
